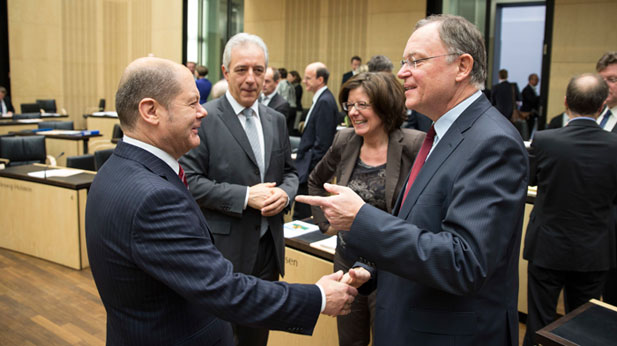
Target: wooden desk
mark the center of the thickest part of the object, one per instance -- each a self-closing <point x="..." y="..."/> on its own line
<point x="45" y="218"/>
<point x="304" y="264"/>
<point x="105" y="124"/>
<point x="8" y="126"/>
<point x="592" y="324"/>
<point x="70" y="145"/>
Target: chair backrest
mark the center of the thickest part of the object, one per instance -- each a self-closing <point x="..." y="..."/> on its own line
<point x="81" y="161"/>
<point x="23" y="150"/>
<point x="101" y="105"/>
<point x="49" y="106"/>
<point x="26" y="116"/>
<point x="101" y="156"/>
<point x="117" y="132"/>
<point x="294" y="142"/>
<point x="60" y="125"/>
<point x="30" y="108"/>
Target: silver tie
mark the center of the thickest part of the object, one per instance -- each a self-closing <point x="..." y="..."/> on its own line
<point x="251" y="132"/>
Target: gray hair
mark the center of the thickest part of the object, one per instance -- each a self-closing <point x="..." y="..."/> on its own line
<point x="608" y="58"/>
<point x="380" y="63"/>
<point x="460" y="36"/>
<point x="586" y="93"/>
<point x="275" y="74"/>
<point x="243" y="39"/>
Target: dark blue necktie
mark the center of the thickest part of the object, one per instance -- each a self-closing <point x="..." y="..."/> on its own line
<point x="605" y="119"/>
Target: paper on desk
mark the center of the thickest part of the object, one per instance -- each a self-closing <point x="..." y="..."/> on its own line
<point x="63" y="172"/>
<point x="61" y="132"/>
<point x="29" y="121"/>
<point x="328" y="244"/>
<point x="102" y="114"/>
<point x="297" y="228"/>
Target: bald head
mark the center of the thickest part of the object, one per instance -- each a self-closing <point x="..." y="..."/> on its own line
<point x="149" y="77"/>
<point x="585" y="95"/>
<point x="316" y="76"/>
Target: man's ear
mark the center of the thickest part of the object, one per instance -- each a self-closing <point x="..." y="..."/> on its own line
<point x="149" y="110"/>
<point x="225" y="72"/>
<point x="465" y="65"/>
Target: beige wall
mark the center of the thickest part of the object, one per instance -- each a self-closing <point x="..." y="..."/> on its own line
<point x="74" y="51"/>
<point x="299" y="32"/>
<point x="583" y="30"/>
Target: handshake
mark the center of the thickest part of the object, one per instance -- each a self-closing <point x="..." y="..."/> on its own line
<point x="340" y="290"/>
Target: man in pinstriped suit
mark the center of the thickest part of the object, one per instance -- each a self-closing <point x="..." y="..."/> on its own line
<point x="160" y="278"/>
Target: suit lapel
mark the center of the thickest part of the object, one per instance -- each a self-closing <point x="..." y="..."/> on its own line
<point x="230" y="119"/>
<point x="445" y="147"/>
<point x="352" y="149"/>
<point x="393" y="165"/>
<point x="267" y="126"/>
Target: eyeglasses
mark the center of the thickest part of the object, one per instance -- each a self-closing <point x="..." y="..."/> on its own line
<point x="412" y="63"/>
<point x="359" y="106"/>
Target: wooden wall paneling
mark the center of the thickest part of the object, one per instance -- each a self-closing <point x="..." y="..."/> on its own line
<point x="583" y="31"/>
<point x="115" y="46"/>
<point x="166" y="34"/>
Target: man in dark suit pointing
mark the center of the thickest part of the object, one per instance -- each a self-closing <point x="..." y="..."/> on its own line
<point x="447" y="261"/>
<point x="160" y="278"/>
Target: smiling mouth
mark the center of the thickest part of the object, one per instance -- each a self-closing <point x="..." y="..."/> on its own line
<point x="359" y="122"/>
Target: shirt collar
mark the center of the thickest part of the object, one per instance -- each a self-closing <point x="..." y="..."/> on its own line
<point x="445" y="121"/>
<point x="582" y="118"/>
<point x="319" y="92"/>
<point x="238" y="108"/>
<point x="168" y="159"/>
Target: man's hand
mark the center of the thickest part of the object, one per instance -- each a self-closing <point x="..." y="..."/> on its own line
<point x="275" y="203"/>
<point x="356" y="277"/>
<point x="258" y="194"/>
<point x="340" y="209"/>
<point x="339" y="296"/>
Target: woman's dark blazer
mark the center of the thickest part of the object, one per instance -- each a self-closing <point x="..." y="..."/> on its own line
<point x="340" y="160"/>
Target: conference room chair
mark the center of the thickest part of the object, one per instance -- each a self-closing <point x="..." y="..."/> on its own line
<point x="24" y="150"/>
<point x="81" y="161"/>
<point x="101" y="156"/>
<point x="49" y="106"/>
<point x="117" y="132"/>
<point x="101" y="105"/>
<point x="56" y="125"/>
<point x="30" y="108"/>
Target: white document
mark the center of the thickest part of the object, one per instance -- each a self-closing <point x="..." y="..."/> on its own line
<point x="328" y="244"/>
<point x="63" y="172"/>
<point x="102" y="114"/>
<point x="29" y="121"/>
<point x="297" y="228"/>
<point x="60" y="132"/>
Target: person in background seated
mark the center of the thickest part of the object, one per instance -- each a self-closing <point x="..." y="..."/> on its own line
<point x="6" y="107"/>
<point x="373" y="159"/>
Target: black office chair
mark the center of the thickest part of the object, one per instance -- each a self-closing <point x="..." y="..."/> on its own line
<point x="294" y="142"/>
<point x="23" y="150"/>
<point x="82" y="162"/>
<point x="49" y="106"/>
<point x="101" y="156"/>
<point x="117" y="132"/>
<point x="101" y="105"/>
<point x="27" y="116"/>
<point x="58" y="125"/>
<point x="30" y="108"/>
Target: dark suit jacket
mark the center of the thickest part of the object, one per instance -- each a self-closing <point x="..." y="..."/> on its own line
<point x="531" y="101"/>
<point x="448" y="262"/>
<point x="556" y="122"/>
<point x="221" y="168"/>
<point x="9" y="105"/>
<point x="418" y="121"/>
<point x="341" y="158"/>
<point x="279" y="104"/>
<point x="160" y="277"/>
<point x="570" y="225"/>
<point x="346" y="76"/>
<point x="501" y="97"/>
<point x="318" y="135"/>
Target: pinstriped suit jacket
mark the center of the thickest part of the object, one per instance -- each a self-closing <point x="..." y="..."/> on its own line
<point x="160" y="277"/>
<point x="447" y="263"/>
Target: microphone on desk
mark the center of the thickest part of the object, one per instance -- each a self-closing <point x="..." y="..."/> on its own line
<point x="52" y="161"/>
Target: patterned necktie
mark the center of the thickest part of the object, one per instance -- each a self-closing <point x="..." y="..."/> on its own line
<point x="419" y="162"/>
<point x="251" y="132"/>
<point x="183" y="177"/>
<point x="605" y="118"/>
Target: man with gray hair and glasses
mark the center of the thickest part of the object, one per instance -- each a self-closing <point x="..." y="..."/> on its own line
<point x="445" y="265"/>
<point x="241" y="174"/>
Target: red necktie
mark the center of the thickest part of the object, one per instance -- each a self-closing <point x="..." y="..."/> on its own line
<point x="183" y="177"/>
<point x="419" y="162"/>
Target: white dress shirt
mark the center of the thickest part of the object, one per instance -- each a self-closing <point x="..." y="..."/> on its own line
<point x="168" y="159"/>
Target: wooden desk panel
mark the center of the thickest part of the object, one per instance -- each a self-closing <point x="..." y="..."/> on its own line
<point x="105" y="125"/>
<point x="16" y="127"/>
<point x="304" y="268"/>
<point x="56" y="146"/>
<point x="43" y="221"/>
